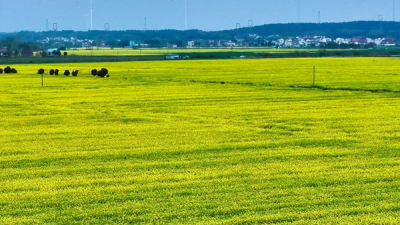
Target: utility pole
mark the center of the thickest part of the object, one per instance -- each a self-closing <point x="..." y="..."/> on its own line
<point x="55" y="28"/>
<point x="145" y="23"/>
<point x="250" y="23"/>
<point x="314" y="76"/>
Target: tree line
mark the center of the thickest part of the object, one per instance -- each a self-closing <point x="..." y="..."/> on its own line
<point x="14" y="47"/>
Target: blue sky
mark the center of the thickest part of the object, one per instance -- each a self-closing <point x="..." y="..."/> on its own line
<point x="169" y="14"/>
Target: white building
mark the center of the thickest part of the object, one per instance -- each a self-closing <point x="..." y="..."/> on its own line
<point x="50" y="52"/>
<point x="172" y="57"/>
<point x="289" y="43"/>
<point x="190" y="44"/>
<point x="231" y="44"/>
<point x="86" y="44"/>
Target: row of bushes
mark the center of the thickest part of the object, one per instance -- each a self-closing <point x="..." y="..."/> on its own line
<point x="101" y="73"/>
<point x="57" y="71"/>
<point x="8" y="70"/>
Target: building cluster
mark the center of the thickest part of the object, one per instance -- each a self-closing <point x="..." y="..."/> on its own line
<point x="61" y="41"/>
<point x="251" y="40"/>
<point x="290" y="42"/>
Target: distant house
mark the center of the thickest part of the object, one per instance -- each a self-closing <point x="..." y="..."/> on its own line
<point x="359" y="40"/>
<point x="230" y="44"/>
<point x="86" y="44"/>
<point x="190" y="44"/>
<point x="172" y="57"/>
<point x="388" y="42"/>
<point x="4" y="52"/>
<point x="27" y="53"/>
<point x="50" y="52"/>
<point x="289" y="43"/>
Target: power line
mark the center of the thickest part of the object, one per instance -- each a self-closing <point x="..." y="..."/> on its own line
<point x="250" y="23"/>
<point x="145" y="24"/>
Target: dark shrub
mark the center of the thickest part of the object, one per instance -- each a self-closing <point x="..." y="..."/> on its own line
<point x="56" y="72"/>
<point x="41" y="71"/>
<point x="7" y="70"/>
<point x="75" y="73"/>
<point x="67" y="73"/>
<point x="102" y="73"/>
<point x="13" y="70"/>
<point x="1" y="71"/>
<point x="94" y="72"/>
<point x="51" y="72"/>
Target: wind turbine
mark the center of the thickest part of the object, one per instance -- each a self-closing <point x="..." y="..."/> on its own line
<point x="91" y="14"/>
<point x="186" y="23"/>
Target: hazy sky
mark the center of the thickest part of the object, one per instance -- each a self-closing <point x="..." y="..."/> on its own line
<point x="170" y="14"/>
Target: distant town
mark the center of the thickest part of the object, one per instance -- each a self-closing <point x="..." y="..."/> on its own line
<point x="251" y="40"/>
<point x="348" y="35"/>
<point x="52" y="46"/>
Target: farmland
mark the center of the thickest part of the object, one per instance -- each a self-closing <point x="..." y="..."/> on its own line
<point x="202" y="142"/>
<point x="235" y="51"/>
<point x="163" y="51"/>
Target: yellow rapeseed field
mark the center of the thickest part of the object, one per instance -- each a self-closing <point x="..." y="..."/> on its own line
<point x="202" y="142"/>
<point x="103" y="51"/>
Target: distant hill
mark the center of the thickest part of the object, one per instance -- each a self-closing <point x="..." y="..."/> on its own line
<point x="371" y="29"/>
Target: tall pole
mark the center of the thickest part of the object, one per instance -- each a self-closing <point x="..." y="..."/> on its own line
<point x="186" y="22"/>
<point x="91" y="14"/>
<point x="145" y="24"/>
<point x="314" y="76"/>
